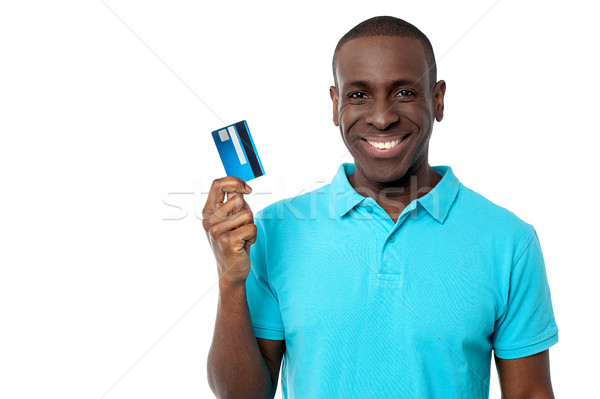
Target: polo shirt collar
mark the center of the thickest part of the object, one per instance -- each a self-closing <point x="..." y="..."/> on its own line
<point x="436" y="202"/>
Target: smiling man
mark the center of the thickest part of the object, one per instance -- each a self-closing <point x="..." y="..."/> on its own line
<point x="394" y="280"/>
<point x="385" y="101"/>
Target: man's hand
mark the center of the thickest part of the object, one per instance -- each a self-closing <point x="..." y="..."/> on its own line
<point x="229" y="225"/>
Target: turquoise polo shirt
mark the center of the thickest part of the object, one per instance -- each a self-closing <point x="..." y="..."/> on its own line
<point x="369" y="308"/>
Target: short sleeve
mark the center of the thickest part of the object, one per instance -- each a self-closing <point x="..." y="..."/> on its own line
<point x="262" y="301"/>
<point x="527" y="326"/>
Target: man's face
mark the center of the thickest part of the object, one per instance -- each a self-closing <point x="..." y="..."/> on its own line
<point x="385" y="105"/>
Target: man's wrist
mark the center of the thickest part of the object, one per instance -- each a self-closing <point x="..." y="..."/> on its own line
<point x="229" y="286"/>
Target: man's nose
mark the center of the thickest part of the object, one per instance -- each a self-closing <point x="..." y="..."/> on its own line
<point x="382" y="114"/>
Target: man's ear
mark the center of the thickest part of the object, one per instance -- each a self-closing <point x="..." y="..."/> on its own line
<point x="334" y="97"/>
<point x="438" y="97"/>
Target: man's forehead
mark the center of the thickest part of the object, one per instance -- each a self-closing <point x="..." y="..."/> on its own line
<point x="408" y="42"/>
<point x="377" y="57"/>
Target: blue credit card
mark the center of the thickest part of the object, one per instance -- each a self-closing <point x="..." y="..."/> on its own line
<point x="237" y="151"/>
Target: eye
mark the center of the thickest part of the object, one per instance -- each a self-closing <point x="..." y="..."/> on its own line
<point x="359" y="95"/>
<point x="406" y="94"/>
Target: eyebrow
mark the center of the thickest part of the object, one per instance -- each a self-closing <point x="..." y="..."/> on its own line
<point x="405" y="82"/>
<point x="359" y="84"/>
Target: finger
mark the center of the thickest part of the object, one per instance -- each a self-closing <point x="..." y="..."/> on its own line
<point x="233" y="206"/>
<point x="239" y="237"/>
<point x="228" y="184"/>
<point x="219" y="187"/>
<point x="227" y="211"/>
<point x="241" y="219"/>
<point x="249" y="242"/>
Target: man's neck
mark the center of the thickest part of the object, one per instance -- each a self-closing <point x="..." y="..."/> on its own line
<point x="393" y="197"/>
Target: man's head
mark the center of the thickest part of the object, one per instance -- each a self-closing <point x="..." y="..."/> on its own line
<point x="388" y="26"/>
<point x="386" y="98"/>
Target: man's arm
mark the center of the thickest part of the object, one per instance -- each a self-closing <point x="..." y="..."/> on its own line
<point x="272" y="351"/>
<point x="525" y="378"/>
<point x="239" y="366"/>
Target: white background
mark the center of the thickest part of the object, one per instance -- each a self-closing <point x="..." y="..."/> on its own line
<point x="108" y="292"/>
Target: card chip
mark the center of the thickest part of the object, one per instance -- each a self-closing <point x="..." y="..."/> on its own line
<point x="223" y="135"/>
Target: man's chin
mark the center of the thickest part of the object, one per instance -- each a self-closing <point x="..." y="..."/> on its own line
<point x="382" y="173"/>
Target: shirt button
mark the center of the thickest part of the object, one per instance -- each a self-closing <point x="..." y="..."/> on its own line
<point x="391" y="239"/>
<point x="369" y="208"/>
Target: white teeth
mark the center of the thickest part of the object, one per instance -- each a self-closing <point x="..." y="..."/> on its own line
<point x="386" y="145"/>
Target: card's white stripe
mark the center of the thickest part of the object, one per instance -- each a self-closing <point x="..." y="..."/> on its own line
<point x="223" y="135"/>
<point x="236" y="144"/>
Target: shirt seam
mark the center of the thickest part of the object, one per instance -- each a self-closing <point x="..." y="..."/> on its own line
<point x="260" y="327"/>
<point x="523" y="252"/>
<point x="536" y="341"/>
<point x="266" y="287"/>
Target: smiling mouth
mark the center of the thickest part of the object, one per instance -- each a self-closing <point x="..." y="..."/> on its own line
<point x="385" y="145"/>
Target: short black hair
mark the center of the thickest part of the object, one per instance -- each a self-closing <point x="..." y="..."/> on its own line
<point x="389" y="26"/>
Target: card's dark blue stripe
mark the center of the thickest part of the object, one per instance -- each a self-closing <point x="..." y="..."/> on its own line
<point x="245" y="139"/>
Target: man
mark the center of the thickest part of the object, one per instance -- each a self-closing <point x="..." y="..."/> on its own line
<point x="392" y="281"/>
